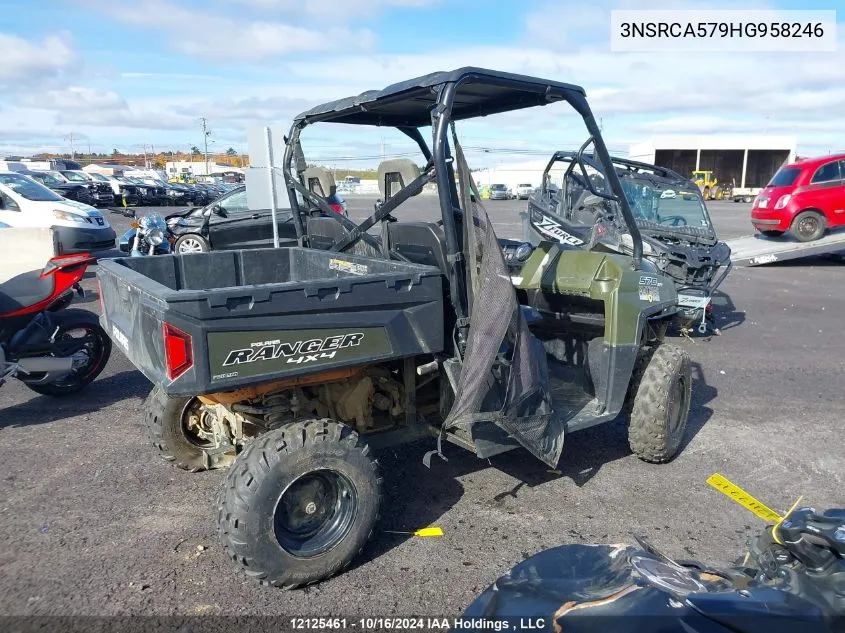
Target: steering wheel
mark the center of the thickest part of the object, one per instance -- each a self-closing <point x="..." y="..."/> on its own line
<point x="674" y="220"/>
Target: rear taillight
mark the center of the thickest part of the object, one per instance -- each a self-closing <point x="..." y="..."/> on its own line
<point x="178" y="352"/>
<point x="337" y="208"/>
<point x="65" y="262"/>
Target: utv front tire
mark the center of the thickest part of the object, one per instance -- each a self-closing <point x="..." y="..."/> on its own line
<point x="165" y="417"/>
<point x="660" y="393"/>
<point x="299" y="504"/>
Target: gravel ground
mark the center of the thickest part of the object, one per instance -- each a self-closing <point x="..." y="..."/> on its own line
<point x="94" y="523"/>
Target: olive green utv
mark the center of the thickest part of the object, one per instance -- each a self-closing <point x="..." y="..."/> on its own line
<point x="291" y="365"/>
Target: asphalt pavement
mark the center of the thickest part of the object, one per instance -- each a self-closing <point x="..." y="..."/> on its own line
<point x="93" y="522"/>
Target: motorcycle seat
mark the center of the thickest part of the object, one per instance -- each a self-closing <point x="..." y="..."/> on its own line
<point x="24" y="290"/>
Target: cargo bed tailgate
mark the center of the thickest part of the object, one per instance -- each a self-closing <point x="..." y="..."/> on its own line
<point x="202" y="323"/>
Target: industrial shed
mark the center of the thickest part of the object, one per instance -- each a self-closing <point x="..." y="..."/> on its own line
<point x="746" y="162"/>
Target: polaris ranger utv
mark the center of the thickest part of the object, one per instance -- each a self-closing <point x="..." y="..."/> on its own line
<point x="577" y="208"/>
<point x="292" y="365"/>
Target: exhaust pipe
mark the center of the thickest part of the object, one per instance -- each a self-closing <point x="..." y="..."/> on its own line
<point x="45" y="364"/>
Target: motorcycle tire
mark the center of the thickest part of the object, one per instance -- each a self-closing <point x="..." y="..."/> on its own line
<point x="69" y="321"/>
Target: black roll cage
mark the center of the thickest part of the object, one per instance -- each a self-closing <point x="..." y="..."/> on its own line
<point x="400" y="106"/>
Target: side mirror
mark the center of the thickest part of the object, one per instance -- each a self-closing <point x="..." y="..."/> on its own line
<point x="218" y="210"/>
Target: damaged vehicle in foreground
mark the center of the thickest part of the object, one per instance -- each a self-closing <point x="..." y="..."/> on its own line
<point x="293" y="365"/>
<point x="576" y="207"/>
<point x="792" y="579"/>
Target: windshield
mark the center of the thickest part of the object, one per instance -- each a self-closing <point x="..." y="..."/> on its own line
<point x="73" y="176"/>
<point x="670" y="205"/>
<point x="785" y="177"/>
<point x="497" y="187"/>
<point x="50" y="179"/>
<point x="28" y="188"/>
<point x="99" y="177"/>
<point x="57" y="176"/>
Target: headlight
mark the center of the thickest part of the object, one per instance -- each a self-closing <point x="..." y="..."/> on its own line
<point x="523" y="251"/>
<point x="783" y="201"/>
<point x="70" y="217"/>
<point x="155" y="236"/>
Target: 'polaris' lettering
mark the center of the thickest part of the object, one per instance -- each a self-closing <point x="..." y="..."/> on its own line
<point x="297" y="352"/>
<point x="549" y="227"/>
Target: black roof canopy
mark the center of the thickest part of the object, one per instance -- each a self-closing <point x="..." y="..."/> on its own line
<point x="408" y="103"/>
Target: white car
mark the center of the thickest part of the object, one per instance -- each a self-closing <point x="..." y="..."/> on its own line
<point x="79" y="228"/>
<point x="523" y="192"/>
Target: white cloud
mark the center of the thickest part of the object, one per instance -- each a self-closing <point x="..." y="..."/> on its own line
<point x="126" y="117"/>
<point x="30" y="62"/>
<point x="73" y="98"/>
<point x="222" y="37"/>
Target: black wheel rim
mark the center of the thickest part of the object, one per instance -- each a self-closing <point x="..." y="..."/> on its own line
<point x="86" y="346"/>
<point x="315" y="513"/>
<point x="808" y="226"/>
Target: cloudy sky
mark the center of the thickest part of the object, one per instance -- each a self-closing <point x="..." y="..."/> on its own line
<point x="124" y="73"/>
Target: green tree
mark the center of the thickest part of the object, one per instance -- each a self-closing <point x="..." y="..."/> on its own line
<point x="195" y="151"/>
<point x="231" y="152"/>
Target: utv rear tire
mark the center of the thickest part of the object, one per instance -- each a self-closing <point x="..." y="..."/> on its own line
<point x="660" y="395"/>
<point x="164" y="416"/>
<point x="300" y="503"/>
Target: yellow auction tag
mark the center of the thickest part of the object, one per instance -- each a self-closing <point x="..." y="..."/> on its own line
<point x="744" y="499"/>
<point x="429" y="531"/>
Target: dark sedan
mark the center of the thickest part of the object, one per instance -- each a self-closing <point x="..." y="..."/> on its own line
<point x="81" y="192"/>
<point x="228" y="223"/>
<point x="102" y="190"/>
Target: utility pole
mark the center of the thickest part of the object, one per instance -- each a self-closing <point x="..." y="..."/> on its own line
<point x="146" y="164"/>
<point x="70" y="137"/>
<point x="205" y="133"/>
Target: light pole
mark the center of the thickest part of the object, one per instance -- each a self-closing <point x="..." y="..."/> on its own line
<point x="205" y="133"/>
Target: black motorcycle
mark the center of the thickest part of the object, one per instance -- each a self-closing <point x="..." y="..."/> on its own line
<point x="792" y="580"/>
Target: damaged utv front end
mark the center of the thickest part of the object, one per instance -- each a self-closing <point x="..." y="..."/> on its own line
<point x="677" y="234"/>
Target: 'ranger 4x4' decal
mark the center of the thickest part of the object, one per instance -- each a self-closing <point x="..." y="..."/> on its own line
<point x="296" y="352"/>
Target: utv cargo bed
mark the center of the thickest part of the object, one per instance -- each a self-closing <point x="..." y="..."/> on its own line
<point x="209" y="322"/>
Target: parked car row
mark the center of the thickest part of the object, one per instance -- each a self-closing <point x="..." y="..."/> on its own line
<point x="101" y="190"/>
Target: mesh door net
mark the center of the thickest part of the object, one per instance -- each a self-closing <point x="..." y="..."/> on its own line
<point x="504" y="375"/>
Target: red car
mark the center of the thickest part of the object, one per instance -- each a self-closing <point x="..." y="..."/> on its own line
<point x="804" y="198"/>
